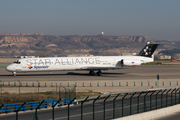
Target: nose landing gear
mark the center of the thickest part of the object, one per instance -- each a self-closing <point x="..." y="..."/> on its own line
<point x="14" y="74"/>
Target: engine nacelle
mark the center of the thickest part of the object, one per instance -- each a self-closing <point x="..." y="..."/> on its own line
<point x="131" y="62"/>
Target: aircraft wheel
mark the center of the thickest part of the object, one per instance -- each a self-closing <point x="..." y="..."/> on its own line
<point x="99" y="73"/>
<point x="91" y="72"/>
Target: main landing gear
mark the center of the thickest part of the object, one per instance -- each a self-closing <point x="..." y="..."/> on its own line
<point x="91" y="72"/>
<point x="98" y="73"/>
<point x="14" y="74"/>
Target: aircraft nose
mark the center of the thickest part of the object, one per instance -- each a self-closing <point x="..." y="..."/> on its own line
<point x="10" y="68"/>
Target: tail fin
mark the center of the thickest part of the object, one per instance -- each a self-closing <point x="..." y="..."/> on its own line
<point x="149" y="49"/>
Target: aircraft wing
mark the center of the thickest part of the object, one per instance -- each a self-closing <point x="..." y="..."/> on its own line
<point x="103" y="68"/>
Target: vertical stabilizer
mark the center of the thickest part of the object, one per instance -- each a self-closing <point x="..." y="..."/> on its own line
<point x="149" y="49"/>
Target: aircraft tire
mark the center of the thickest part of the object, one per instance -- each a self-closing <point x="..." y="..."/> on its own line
<point x="91" y="72"/>
<point x="99" y="73"/>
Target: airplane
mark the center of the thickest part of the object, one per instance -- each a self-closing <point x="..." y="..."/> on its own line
<point x="91" y="64"/>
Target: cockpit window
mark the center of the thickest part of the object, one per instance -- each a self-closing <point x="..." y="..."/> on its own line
<point x="17" y="62"/>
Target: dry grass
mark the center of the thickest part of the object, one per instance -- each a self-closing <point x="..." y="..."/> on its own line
<point x="8" y="98"/>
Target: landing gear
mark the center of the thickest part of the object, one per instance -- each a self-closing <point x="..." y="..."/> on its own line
<point x="14" y="74"/>
<point x="91" y="72"/>
<point x="99" y="73"/>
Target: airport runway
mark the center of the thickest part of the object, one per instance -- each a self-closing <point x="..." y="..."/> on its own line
<point x="143" y="72"/>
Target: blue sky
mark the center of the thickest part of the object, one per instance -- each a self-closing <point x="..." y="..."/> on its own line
<point x="157" y="19"/>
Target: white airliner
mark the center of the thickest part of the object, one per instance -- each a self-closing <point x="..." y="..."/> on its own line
<point x="91" y="64"/>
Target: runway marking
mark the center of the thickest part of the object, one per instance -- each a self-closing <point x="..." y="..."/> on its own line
<point x="43" y="80"/>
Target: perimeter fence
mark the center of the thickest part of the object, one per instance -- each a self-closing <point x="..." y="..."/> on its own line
<point x="115" y="105"/>
<point x="20" y="94"/>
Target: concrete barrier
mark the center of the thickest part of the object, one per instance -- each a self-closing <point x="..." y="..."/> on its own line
<point x="153" y="114"/>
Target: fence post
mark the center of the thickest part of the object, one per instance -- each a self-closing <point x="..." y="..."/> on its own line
<point x="105" y="105"/>
<point x="14" y="83"/>
<point x="162" y="98"/>
<point x="141" y="83"/>
<point x="75" y="84"/>
<point x="114" y="105"/>
<point x="59" y="93"/>
<point x="65" y="92"/>
<point x="45" y="85"/>
<point x="19" y="86"/>
<point x="38" y="87"/>
<point x="119" y="83"/>
<point x="9" y="84"/>
<point x="98" y="84"/>
<point x="148" y="83"/>
<point x="167" y="96"/>
<point x="171" y="95"/>
<point x="123" y="103"/>
<point x="134" y="83"/>
<point x="163" y="83"/>
<point x="131" y="102"/>
<point x="19" y="109"/>
<point x="1" y="93"/>
<point x="138" y="101"/>
<point x="51" y="84"/>
<point x="1" y="106"/>
<point x="82" y="107"/>
<point x="36" y="117"/>
<point x="83" y="84"/>
<point x="105" y="84"/>
<point x="33" y="84"/>
<point x="93" y="106"/>
<point x="179" y="95"/>
<point x="156" y="97"/>
<point x="68" y="106"/>
<point x="170" y="83"/>
<point x="26" y="84"/>
<point x="69" y="93"/>
<point x="175" y="95"/>
<point x="112" y="84"/>
<point x="151" y="99"/>
<point x="90" y="84"/>
<point x="145" y="101"/>
<point x="126" y="83"/>
<point x="53" y="108"/>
